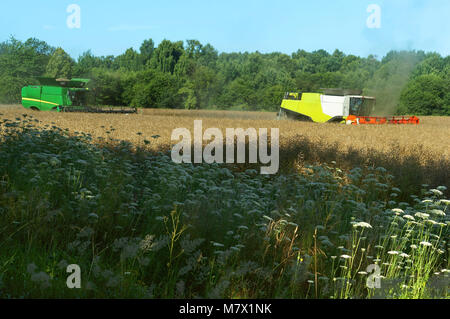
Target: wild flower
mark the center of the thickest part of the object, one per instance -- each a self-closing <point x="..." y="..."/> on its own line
<point x="393" y="252"/>
<point x="438" y="212"/>
<point x="362" y="225"/>
<point x="129" y="251"/>
<point x="426" y="244"/>
<point x="409" y="217"/>
<point x="346" y="256"/>
<point x="41" y="278"/>
<point x="422" y="215"/>
<point x="147" y="243"/>
<point x="436" y="192"/>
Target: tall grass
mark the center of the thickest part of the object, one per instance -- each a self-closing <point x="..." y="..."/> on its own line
<point x="141" y="226"/>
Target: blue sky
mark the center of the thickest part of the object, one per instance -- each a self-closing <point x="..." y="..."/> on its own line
<point x="110" y="27"/>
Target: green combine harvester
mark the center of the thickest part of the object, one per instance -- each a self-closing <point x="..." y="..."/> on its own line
<point x="64" y="95"/>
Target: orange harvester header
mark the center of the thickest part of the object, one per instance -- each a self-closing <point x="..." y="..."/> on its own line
<point x="355" y="120"/>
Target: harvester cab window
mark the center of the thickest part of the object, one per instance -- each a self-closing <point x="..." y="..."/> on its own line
<point x="293" y="96"/>
<point x="361" y="106"/>
<point x="355" y="105"/>
<point x="77" y="97"/>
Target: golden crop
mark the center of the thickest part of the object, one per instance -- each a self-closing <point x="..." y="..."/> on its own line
<point x="424" y="146"/>
<point x="432" y="136"/>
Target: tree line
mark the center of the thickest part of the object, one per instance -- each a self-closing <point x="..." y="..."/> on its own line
<point x="192" y="75"/>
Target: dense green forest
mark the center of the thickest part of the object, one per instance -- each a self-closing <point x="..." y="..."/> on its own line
<point x="192" y="75"/>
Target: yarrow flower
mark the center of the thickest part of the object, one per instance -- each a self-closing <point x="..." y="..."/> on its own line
<point x="436" y="192"/>
<point x="346" y="256"/>
<point x="362" y="225"/>
<point x="422" y="215"/>
<point x="438" y="212"/>
<point x="408" y="217"/>
<point x="425" y="243"/>
<point x="42" y="278"/>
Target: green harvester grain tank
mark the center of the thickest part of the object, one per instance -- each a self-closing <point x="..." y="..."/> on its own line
<point x="63" y="95"/>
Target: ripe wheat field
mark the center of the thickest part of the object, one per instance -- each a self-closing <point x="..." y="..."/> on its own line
<point x="414" y="154"/>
